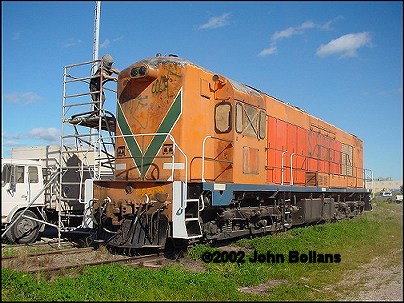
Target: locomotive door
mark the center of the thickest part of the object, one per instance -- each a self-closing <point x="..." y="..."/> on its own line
<point x="250" y="127"/>
<point x="218" y="159"/>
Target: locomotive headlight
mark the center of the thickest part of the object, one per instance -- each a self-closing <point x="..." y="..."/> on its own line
<point x="134" y="72"/>
<point x="143" y="71"/>
<point x="139" y="71"/>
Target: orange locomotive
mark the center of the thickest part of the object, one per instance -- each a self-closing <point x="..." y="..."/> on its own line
<point x="202" y="157"/>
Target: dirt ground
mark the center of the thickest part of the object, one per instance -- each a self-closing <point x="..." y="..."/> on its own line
<point x="377" y="280"/>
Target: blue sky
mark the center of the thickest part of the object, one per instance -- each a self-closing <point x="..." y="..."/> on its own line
<point x="339" y="61"/>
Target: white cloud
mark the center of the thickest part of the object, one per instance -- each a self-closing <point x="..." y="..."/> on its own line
<point x="16" y="36"/>
<point x="11" y="143"/>
<point x="71" y="42"/>
<point x="327" y="25"/>
<point x="268" y="51"/>
<point x="118" y="38"/>
<point x="25" y="98"/>
<point x="291" y="31"/>
<point x="105" y="44"/>
<point x="307" y="25"/>
<point x="7" y="136"/>
<point x="393" y="91"/>
<point x="346" y="45"/>
<point x="11" y="139"/>
<point x="216" y="22"/>
<point x="47" y="134"/>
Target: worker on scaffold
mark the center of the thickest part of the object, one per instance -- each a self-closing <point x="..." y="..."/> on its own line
<point x="104" y="72"/>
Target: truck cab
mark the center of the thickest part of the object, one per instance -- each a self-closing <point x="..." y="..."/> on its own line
<point x="21" y="183"/>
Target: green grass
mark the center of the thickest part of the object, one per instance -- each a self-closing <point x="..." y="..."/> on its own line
<point x="358" y="241"/>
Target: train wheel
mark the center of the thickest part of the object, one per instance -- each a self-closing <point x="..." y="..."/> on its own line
<point x="24" y="230"/>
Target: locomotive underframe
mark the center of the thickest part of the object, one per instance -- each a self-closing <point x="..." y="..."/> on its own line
<point x="223" y="211"/>
<point x="261" y="212"/>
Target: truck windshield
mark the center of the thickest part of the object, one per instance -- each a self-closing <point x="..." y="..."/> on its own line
<point x="6" y="174"/>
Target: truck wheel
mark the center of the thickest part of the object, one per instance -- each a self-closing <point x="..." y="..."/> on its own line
<point x="24" y="230"/>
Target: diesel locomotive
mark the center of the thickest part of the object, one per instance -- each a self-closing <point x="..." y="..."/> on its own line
<point x="200" y="157"/>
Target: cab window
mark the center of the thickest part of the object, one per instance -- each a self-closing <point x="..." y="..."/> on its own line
<point x="223" y="117"/>
<point x="7" y="174"/>
<point x="33" y="174"/>
<point x="19" y="173"/>
<point x="239" y="118"/>
<point x="250" y="121"/>
<point x="262" y="123"/>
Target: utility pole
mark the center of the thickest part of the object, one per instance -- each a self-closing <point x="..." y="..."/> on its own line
<point x="96" y="29"/>
<point x="97" y="150"/>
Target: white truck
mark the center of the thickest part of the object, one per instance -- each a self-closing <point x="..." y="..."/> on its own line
<point x="30" y="198"/>
<point x="22" y="182"/>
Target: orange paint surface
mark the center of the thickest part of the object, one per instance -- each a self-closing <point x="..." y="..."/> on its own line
<point x="211" y="140"/>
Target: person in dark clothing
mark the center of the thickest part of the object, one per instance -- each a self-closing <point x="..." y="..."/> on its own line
<point x="104" y="72"/>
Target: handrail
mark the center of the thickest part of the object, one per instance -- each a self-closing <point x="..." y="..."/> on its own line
<point x="282" y="162"/>
<point x="355" y="177"/>
<point x="202" y="202"/>
<point x="82" y="63"/>
<point x="203" y="153"/>
<point x="291" y="168"/>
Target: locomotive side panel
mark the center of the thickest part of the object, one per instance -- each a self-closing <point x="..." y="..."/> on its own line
<point x="303" y="150"/>
<point x="207" y="133"/>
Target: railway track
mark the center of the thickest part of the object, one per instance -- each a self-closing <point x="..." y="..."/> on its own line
<point x="52" y="243"/>
<point x="76" y="258"/>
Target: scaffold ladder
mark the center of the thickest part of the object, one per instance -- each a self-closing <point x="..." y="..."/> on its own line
<point x="87" y="142"/>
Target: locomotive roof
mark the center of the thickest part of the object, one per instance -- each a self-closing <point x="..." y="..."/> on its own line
<point x="158" y="59"/>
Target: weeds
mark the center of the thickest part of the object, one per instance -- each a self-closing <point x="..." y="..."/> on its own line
<point x="357" y="241"/>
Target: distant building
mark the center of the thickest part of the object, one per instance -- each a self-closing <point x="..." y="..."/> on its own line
<point x="377" y="186"/>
